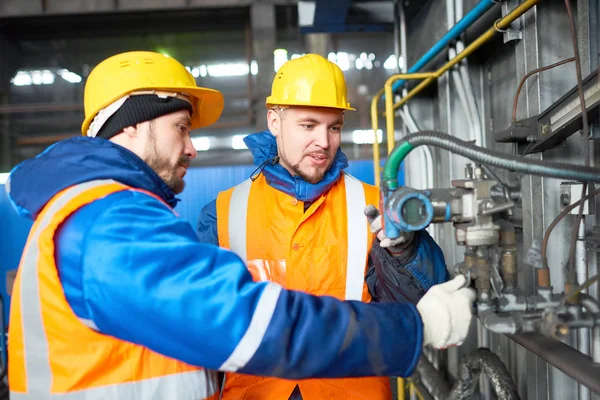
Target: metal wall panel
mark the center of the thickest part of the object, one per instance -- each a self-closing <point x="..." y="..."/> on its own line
<point x="495" y="72"/>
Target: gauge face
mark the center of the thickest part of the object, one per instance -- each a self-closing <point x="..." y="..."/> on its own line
<point x="414" y="212"/>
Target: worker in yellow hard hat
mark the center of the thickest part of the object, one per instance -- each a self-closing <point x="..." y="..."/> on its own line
<point x="299" y="221"/>
<point x="115" y="297"/>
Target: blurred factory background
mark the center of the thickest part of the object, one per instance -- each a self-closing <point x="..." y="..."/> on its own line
<point x="48" y="47"/>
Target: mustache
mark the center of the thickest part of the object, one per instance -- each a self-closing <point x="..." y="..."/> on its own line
<point x="317" y="153"/>
<point x="184" y="161"/>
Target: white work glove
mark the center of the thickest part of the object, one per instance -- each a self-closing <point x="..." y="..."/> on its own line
<point x="376" y="225"/>
<point x="446" y="311"/>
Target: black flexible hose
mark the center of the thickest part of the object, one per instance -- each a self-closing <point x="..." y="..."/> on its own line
<point x="486" y="156"/>
<point x="483" y="361"/>
<point x="480" y="361"/>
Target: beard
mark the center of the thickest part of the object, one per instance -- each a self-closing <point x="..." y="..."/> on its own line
<point x="163" y="166"/>
<point x="313" y="178"/>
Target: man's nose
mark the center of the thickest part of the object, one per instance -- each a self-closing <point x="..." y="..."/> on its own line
<point x="322" y="137"/>
<point x="189" y="149"/>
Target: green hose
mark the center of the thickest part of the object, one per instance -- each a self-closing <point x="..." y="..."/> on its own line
<point x="392" y="165"/>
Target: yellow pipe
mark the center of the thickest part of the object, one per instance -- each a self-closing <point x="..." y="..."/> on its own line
<point x="503" y="23"/>
<point x="375" y="127"/>
<point x="401" y="389"/>
<point x="389" y="102"/>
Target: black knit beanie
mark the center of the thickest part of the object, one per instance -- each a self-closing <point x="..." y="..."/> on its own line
<point x="141" y="108"/>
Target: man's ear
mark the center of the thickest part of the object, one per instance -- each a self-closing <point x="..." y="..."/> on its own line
<point x="130" y="131"/>
<point x="274" y="122"/>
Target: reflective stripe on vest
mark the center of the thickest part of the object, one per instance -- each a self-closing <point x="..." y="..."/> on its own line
<point x="238" y="211"/>
<point x="357" y="234"/>
<point x="188" y="385"/>
<point x="357" y="237"/>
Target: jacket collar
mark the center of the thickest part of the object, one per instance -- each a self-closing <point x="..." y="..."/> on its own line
<point x="263" y="146"/>
<point x="80" y="159"/>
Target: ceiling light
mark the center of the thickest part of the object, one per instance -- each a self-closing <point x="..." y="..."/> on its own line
<point x="237" y="142"/>
<point x="201" y="143"/>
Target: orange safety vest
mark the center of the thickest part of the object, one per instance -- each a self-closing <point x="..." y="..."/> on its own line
<point x="322" y="251"/>
<point x="55" y="355"/>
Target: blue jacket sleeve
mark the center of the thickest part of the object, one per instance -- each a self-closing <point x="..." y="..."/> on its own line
<point x="428" y="265"/>
<point x="207" y="224"/>
<point x="146" y="279"/>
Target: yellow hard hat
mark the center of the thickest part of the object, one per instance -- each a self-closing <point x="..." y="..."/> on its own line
<point x="310" y="80"/>
<point x="135" y="71"/>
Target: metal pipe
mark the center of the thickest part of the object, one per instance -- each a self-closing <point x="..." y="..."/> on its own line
<point x="497" y="323"/>
<point x="470" y="94"/>
<point x="508" y="254"/>
<point x="583" y="334"/>
<point x="462" y="96"/>
<point x="426" y="151"/>
<point x="501" y="24"/>
<point x="420" y="391"/>
<point x="462" y="25"/>
<point x="389" y="102"/>
<point x="403" y="49"/>
<point x="450" y="19"/>
<point x="564" y="357"/>
<point x="375" y="127"/>
<point x="397" y="34"/>
<point x="592" y="306"/>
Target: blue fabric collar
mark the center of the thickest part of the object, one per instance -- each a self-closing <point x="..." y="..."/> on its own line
<point x="80" y="159"/>
<point x="263" y="146"/>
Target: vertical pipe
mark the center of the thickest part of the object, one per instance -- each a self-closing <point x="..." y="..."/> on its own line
<point x="592" y="306"/>
<point x="583" y="335"/>
<point x="375" y="127"/>
<point x="462" y="95"/>
<point x="389" y="117"/>
<point x="397" y="33"/>
<point x="472" y="103"/>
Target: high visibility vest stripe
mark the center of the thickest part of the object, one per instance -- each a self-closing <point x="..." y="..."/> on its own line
<point x="357" y="231"/>
<point x="183" y="386"/>
<point x="238" y="211"/>
<point x="357" y="238"/>
<point x="39" y="375"/>
<point x="189" y="385"/>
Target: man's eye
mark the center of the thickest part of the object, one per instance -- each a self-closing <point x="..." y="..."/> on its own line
<point x="307" y="126"/>
<point x="336" y="128"/>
